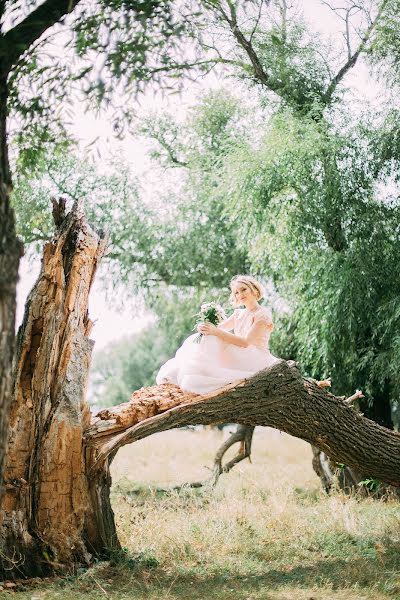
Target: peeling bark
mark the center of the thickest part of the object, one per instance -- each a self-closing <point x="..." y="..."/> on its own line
<point x="48" y="500"/>
<point x="13" y="44"/>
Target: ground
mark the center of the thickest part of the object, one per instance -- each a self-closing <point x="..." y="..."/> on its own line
<point x="268" y="531"/>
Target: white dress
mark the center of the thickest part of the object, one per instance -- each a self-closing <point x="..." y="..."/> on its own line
<point x="214" y="363"/>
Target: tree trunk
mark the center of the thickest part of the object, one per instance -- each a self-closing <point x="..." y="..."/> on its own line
<point x="51" y="512"/>
<point x="10" y="253"/>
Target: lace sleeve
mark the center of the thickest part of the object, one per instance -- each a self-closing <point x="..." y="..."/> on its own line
<point x="264" y="316"/>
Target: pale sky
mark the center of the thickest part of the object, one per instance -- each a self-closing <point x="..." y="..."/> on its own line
<point x="112" y="324"/>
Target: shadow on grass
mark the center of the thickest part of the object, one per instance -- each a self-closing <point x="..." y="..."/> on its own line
<point x="333" y="573"/>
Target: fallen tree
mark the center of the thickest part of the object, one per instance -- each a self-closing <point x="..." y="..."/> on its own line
<point x="56" y="509"/>
<point x="277" y="397"/>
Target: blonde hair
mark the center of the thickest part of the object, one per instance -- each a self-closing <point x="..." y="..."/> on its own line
<point x="252" y="283"/>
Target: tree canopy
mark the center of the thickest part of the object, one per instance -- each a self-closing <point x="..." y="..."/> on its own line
<point x="301" y="190"/>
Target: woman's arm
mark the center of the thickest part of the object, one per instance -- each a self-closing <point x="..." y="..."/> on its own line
<point x="228" y="324"/>
<point x="243" y="342"/>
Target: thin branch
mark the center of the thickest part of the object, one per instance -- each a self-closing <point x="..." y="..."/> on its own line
<point x="347" y="36"/>
<point x="18" y="40"/>
<point x="322" y="55"/>
<point x="173" y="158"/>
<point x="231" y="20"/>
<point x="283" y="10"/>
<point x="200" y="63"/>
<point x="338" y="9"/>
<point x="257" y="21"/>
<point x="247" y="46"/>
<point x="244" y="436"/>
<point x="358" y="394"/>
<point x="353" y="58"/>
<point x="60" y="186"/>
<point x="217" y="9"/>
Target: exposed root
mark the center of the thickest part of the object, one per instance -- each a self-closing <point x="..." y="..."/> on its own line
<point x="244" y="435"/>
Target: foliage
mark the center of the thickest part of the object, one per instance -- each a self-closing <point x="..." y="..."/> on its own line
<point x="111" y="200"/>
<point x="97" y="55"/>
<point x="126" y="366"/>
<point x="190" y="244"/>
<point x="315" y="198"/>
<point x="330" y="239"/>
<point x="123" y="558"/>
<point x="371" y="484"/>
<point x="311" y="197"/>
<point x="384" y="53"/>
<point x="195" y="242"/>
<point x="307" y="195"/>
<point x="297" y="62"/>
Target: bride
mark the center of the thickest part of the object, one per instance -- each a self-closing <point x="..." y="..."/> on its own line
<point x="222" y="357"/>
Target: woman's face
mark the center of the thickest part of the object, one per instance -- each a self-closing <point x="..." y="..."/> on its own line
<point x="242" y="293"/>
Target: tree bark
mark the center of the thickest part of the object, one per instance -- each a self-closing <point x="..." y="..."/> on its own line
<point x="51" y="512"/>
<point x="15" y="42"/>
<point x="10" y="253"/>
<point x="349" y="480"/>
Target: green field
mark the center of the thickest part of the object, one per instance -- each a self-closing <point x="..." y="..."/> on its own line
<point x="266" y="532"/>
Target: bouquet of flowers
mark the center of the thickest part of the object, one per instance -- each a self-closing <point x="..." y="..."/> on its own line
<point x="210" y="312"/>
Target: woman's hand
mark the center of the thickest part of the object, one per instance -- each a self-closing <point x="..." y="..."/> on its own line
<point x="207" y="329"/>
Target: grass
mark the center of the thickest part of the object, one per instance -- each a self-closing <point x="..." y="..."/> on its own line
<point x="267" y="532"/>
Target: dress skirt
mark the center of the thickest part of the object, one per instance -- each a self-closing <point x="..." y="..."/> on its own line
<point x="211" y="364"/>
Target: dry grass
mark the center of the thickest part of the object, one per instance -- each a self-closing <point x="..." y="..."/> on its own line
<point x="267" y="532"/>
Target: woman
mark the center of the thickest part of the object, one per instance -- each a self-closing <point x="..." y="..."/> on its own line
<point x="222" y="357"/>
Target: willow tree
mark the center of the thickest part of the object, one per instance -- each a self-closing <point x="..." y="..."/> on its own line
<point x="306" y="189"/>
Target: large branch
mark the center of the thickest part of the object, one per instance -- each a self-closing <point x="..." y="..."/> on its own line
<point x="18" y="39"/>
<point x="277" y="397"/>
